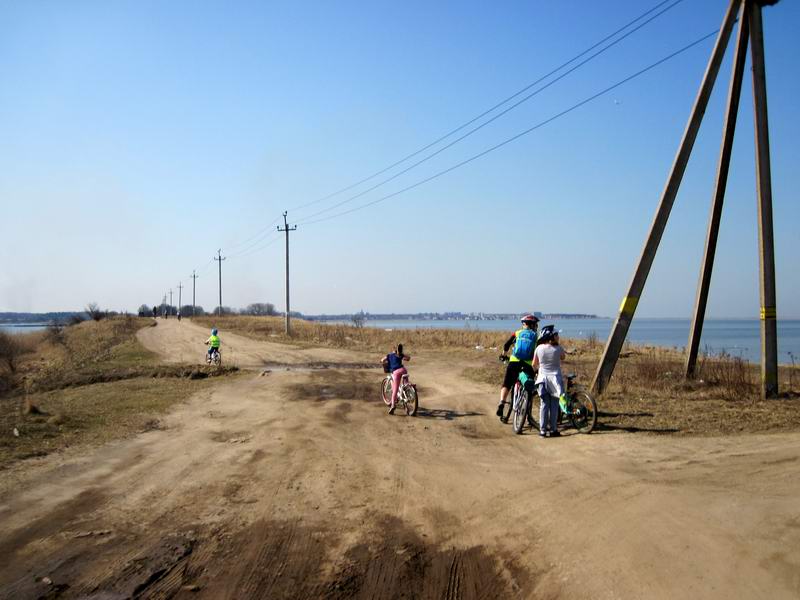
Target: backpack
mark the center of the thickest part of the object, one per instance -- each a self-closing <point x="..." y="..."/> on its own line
<point x="526" y="342"/>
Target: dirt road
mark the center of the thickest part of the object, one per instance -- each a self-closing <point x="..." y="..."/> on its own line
<point x="297" y="484"/>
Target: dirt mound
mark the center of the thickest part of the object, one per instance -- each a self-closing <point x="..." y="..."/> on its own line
<point x="288" y="560"/>
<point x="79" y="378"/>
<point x="397" y="563"/>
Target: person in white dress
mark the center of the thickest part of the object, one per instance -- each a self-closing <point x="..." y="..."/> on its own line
<point x="550" y="384"/>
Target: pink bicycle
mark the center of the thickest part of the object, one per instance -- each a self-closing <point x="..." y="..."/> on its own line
<point x="406" y="394"/>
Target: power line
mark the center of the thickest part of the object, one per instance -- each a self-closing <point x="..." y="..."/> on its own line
<point x="494" y="118"/>
<point x="255" y="242"/>
<point x="246" y="250"/>
<point x="522" y="133"/>
<point x="205" y="266"/>
<point x="257" y="249"/>
<point x="260" y="234"/>
<point x="499" y="104"/>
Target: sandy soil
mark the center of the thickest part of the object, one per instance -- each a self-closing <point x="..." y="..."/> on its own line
<point x="257" y="490"/>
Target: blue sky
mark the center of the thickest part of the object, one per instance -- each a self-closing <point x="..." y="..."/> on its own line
<point x="138" y="137"/>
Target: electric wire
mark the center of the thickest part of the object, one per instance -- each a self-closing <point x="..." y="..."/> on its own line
<point x="264" y="233"/>
<point x="267" y="241"/>
<point x="258" y="249"/>
<point x="522" y="133"/>
<point x="259" y="233"/>
<point x="205" y="266"/>
<point x="255" y="243"/>
<point x="499" y="104"/>
<point x="309" y="218"/>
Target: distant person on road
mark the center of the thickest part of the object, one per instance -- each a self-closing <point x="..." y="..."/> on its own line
<point x="548" y="358"/>
<point x="393" y="363"/>
<point x="524" y="341"/>
<point x="213" y="343"/>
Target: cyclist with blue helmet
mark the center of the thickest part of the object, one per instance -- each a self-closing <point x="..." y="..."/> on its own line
<point x="524" y="343"/>
<point x="213" y="344"/>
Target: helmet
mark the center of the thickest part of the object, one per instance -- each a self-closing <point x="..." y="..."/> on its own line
<point x="530" y="320"/>
<point x="214" y="331"/>
<point x="547" y="333"/>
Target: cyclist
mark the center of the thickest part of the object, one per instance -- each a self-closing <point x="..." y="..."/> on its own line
<point x="393" y="363"/>
<point x="524" y="342"/>
<point x="548" y="358"/>
<point x="213" y="344"/>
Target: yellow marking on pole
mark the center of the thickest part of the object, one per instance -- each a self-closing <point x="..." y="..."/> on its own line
<point x="768" y="312"/>
<point x="628" y="305"/>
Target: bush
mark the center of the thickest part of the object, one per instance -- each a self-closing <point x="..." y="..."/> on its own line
<point x="10" y="351"/>
<point x="55" y="334"/>
<point x="95" y="312"/>
<point x="260" y="309"/>
<point x="731" y="375"/>
<point x="591" y="340"/>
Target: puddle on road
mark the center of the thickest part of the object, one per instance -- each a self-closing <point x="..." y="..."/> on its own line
<point x="316" y="366"/>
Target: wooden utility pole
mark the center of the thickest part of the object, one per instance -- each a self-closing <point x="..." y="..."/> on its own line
<point x="194" y="282"/>
<point x="180" y="287"/>
<point x="219" y="258"/>
<point x="750" y="28"/>
<point x="287" y="229"/>
<point x="169" y="308"/>
<point x="628" y="307"/>
<point x="703" y="285"/>
<point x="766" y="246"/>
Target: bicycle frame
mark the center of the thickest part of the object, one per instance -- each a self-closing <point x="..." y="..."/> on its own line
<point x="210" y="358"/>
<point x="404" y="393"/>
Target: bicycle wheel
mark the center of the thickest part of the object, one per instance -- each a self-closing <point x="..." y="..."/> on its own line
<point x="411" y="400"/>
<point x="386" y="390"/>
<point x="520" y="411"/>
<point x="583" y="412"/>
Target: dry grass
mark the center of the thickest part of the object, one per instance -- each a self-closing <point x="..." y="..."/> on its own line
<point x="87" y="415"/>
<point x="90" y="383"/>
<point x="648" y="393"/>
<point x="353" y="337"/>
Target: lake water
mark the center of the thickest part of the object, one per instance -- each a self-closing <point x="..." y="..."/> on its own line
<point x="737" y="337"/>
<point x="22" y="327"/>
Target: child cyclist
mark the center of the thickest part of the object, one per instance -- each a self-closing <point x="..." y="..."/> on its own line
<point x="524" y="342"/>
<point x="213" y="343"/>
<point x="548" y="357"/>
<point x="394" y="365"/>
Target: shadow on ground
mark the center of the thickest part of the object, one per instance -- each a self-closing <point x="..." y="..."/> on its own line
<point x="445" y="414"/>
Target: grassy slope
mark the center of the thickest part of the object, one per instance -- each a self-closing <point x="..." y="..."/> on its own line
<point x="93" y="383"/>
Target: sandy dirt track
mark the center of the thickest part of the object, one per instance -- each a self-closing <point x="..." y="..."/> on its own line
<point x="296" y="484"/>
